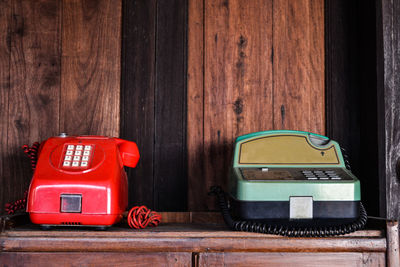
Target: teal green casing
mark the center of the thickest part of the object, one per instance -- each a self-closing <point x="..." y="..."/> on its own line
<point x="282" y="189"/>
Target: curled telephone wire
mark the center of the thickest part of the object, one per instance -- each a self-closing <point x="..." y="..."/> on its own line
<point x="290" y="231"/>
<point x="20" y="204"/>
<point x="141" y="217"/>
<point x="32" y="153"/>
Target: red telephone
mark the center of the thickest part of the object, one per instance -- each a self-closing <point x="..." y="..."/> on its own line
<point x="80" y="180"/>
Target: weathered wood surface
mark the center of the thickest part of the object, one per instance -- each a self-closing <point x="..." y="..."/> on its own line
<point x="393" y="244"/>
<point x="170" y="179"/>
<point x="30" y="86"/>
<point x="261" y="67"/>
<point x="154" y="101"/>
<point x="90" y="80"/>
<point x="351" y="91"/>
<point x="195" y="101"/>
<point x="137" y="95"/>
<point x="60" y="71"/>
<point x="96" y="259"/>
<point x="388" y="62"/>
<point x="292" y="259"/>
<point x="298" y="65"/>
<point x="182" y="238"/>
<point x="5" y="47"/>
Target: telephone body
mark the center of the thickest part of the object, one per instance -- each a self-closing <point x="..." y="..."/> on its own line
<point x="293" y="177"/>
<point x="80" y="180"/>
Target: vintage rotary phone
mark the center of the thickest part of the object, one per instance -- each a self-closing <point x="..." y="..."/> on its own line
<point x="291" y="183"/>
<point x="80" y="180"/>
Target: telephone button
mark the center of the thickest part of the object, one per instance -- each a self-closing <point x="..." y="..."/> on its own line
<point x="69" y="152"/>
<point x="85" y="158"/>
<point x="79" y="147"/>
<point x="84" y="164"/>
<point x="78" y="153"/>
<point x="75" y="163"/>
<point x="88" y="147"/>
<point x="67" y="163"/>
<point x="77" y="158"/>
<point x="86" y="153"/>
<point x="68" y="158"/>
<point x="71" y="147"/>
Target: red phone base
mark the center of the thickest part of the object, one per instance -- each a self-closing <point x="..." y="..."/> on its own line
<point x="75" y="219"/>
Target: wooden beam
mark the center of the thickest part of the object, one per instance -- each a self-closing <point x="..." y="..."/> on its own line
<point x="388" y="65"/>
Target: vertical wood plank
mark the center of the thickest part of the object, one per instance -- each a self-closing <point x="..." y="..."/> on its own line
<point x="388" y="62"/>
<point x="34" y="85"/>
<point x="90" y="84"/>
<point x="195" y="101"/>
<point x="170" y="179"/>
<point x="5" y="46"/>
<point x="238" y="80"/>
<point x="137" y="95"/>
<point x="298" y="65"/>
<point x="351" y="106"/>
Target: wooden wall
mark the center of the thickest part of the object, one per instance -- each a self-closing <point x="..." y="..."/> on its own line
<point x="252" y="66"/>
<point x="181" y="78"/>
<point x="59" y="72"/>
<point x="153" y="101"/>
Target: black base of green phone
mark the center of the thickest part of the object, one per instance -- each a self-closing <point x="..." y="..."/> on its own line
<point x="324" y="212"/>
<point x="322" y="227"/>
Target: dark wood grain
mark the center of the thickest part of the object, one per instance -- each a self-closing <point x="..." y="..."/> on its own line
<point x="195" y="102"/>
<point x="137" y="95"/>
<point x="90" y="84"/>
<point x="237" y="81"/>
<point x="292" y="259"/>
<point x="5" y="47"/>
<point x="170" y="178"/>
<point x="298" y="65"/>
<point x="388" y="60"/>
<point x="351" y="106"/>
<point x="34" y="37"/>
<point x="96" y="259"/>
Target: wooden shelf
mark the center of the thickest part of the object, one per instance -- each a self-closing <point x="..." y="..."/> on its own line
<point x="183" y="244"/>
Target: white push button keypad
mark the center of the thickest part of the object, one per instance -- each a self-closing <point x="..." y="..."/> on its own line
<point x="77" y="156"/>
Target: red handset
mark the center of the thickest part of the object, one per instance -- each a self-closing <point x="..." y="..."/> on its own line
<point x="80" y="180"/>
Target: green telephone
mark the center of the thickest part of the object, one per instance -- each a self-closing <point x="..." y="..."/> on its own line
<point x="291" y="183"/>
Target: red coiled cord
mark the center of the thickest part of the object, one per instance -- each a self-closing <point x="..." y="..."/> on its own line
<point x="20" y="204"/>
<point x="32" y="152"/>
<point x="141" y="217"/>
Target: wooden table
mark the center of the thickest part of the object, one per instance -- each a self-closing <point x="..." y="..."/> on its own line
<point x="189" y="244"/>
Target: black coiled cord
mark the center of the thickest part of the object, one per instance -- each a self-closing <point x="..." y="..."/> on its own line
<point x="290" y="231"/>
